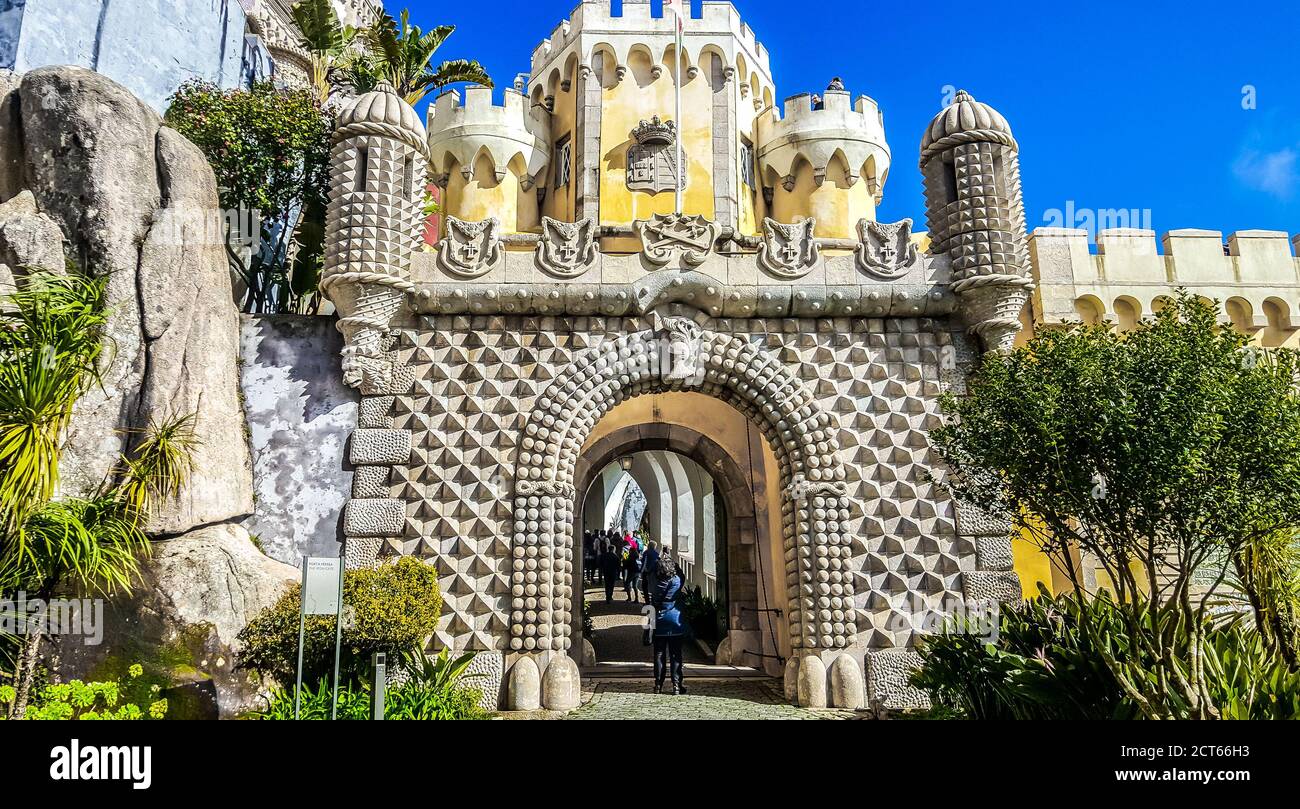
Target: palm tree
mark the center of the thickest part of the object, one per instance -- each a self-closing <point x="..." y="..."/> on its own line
<point x="402" y="55"/>
<point x="323" y="37"/>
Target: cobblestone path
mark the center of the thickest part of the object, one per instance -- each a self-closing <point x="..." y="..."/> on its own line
<point x="715" y="692"/>
<point x="723" y="698"/>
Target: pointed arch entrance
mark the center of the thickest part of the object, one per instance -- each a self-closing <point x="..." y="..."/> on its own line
<point x="755" y="597"/>
<point x="679" y="353"/>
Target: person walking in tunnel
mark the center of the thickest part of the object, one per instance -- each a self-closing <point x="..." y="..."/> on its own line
<point x="670" y="627"/>
<point x="610" y="566"/>
<point x="649" y="569"/>
<point x="590" y="556"/>
<point x="632" y="572"/>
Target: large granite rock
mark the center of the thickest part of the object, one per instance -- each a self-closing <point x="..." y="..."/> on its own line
<point x="196" y="592"/>
<point x="29" y="240"/>
<point x="138" y="203"/>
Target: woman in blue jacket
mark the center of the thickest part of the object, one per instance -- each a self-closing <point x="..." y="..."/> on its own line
<point x="670" y="627"/>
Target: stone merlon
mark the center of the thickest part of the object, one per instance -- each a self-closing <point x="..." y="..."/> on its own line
<point x="1255" y="274"/>
<point x="460" y="132"/>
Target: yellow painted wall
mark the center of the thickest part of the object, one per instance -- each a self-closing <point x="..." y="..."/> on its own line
<point x="835" y="204"/>
<point x="482" y="196"/>
<point x="561" y="203"/>
<point x="637" y="98"/>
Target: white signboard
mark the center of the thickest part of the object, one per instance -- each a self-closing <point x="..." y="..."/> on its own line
<point x="320" y="585"/>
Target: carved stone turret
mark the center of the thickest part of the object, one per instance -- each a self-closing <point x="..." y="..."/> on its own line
<point x="377" y="170"/>
<point x="976" y="216"/>
<point x="460" y="132"/>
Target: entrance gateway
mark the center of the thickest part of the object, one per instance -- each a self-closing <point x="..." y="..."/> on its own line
<point x="793" y="346"/>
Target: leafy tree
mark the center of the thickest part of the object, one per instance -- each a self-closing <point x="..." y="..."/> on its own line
<point x="393" y="608"/>
<point x="1161" y="452"/>
<point x="402" y="54"/>
<point x="51" y="339"/>
<point x="269" y="149"/>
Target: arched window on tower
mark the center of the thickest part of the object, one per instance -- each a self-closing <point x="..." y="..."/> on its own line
<point x="363" y="167"/>
<point x="949" y="180"/>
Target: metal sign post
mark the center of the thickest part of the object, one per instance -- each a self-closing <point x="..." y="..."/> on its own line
<point x="322" y="594"/>
<point x="379" y="679"/>
<point x="338" y="640"/>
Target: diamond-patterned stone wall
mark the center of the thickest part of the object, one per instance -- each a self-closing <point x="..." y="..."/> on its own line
<point x="477" y="380"/>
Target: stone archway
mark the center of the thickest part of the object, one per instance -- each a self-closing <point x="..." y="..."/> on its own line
<point x="678" y="353"/>
<point x="745" y="534"/>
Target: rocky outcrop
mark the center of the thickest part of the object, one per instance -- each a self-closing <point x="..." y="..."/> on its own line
<point x="29" y="240"/>
<point x="136" y="202"/>
<point x="196" y="592"/>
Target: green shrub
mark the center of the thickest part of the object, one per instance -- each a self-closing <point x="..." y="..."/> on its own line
<point x="435" y="689"/>
<point x="112" y="699"/>
<point x="701" y="612"/>
<point x="390" y="608"/>
<point x="1043" y="666"/>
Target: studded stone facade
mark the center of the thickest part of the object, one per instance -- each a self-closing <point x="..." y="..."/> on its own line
<point x="499" y="405"/>
<point x="485" y="366"/>
<point x="374" y="217"/>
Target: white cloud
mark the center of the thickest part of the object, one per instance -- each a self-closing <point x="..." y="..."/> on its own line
<point x="1273" y="173"/>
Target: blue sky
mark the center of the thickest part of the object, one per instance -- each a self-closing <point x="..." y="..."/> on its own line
<point x="1188" y="111"/>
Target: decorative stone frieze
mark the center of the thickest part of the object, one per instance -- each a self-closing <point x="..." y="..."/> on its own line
<point x="665" y="237"/>
<point x="470" y="249"/>
<point x="886" y="251"/>
<point x="566" y="249"/>
<point x="788" y="251"/>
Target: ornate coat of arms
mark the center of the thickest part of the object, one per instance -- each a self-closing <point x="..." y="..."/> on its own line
<point x="886" y="250"/>
<point x="566" y="249"/>
<point x="789" y="251"/>
<point x="666" y="235"/>
<point x="652" y="159"/>
<point x="470" y="249"/>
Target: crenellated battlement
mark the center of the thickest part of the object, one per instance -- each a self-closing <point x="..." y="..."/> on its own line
<point x="854" y="132"/>
<point x="593" y="26"/>
<point x="1255" y="274"/>
<point x="459" y="131"/>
